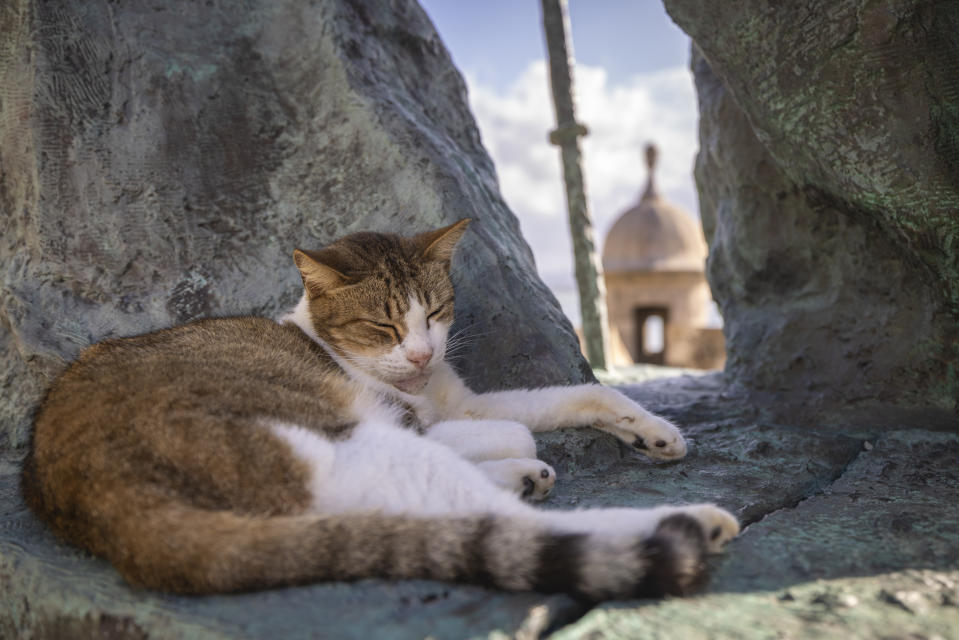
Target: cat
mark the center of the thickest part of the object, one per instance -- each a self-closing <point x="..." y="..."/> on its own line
<point x="235" y="454"/>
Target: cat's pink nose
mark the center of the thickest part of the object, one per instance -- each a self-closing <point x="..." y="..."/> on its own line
<point x="419" y="358"/>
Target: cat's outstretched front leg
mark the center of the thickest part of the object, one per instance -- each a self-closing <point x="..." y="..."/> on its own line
<point x="559" y="407"/>
<point x="614" y="413"/>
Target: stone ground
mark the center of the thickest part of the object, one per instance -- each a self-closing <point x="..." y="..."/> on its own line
<point x="851" y="530"/>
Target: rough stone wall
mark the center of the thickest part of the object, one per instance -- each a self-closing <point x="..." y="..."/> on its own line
<point x="829" y="188"/>
<point x="159" y="161"/>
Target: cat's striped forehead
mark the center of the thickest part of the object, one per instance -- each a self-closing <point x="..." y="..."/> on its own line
<point x="388" y="269"/>
<point x="370" y="283"/>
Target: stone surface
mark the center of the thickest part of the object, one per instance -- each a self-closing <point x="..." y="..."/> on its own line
<point x="829" y="186"/>
<point x="846" y="536"/>
<point x="874" y="554"/>
<point x="161" y="161"/>
<point x="733" y="450"/>
<point x="895" y="507"/>
<point x="911" y="604"/>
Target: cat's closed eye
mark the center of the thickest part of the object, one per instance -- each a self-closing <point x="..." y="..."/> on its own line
<point x="386" y="328"/>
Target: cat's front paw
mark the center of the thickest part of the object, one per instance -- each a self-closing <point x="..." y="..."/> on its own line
<point x="650" y="434"/>
<point x="526" y="477"/>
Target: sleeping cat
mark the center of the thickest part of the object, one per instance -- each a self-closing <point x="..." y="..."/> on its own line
<point x="240" y="453"/>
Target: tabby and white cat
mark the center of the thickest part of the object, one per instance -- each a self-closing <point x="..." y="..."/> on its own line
<point x="240" y="453"/>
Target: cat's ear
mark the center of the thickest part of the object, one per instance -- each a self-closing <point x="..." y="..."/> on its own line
<point x="438" y="245"/>
<point x="318" y="278"/>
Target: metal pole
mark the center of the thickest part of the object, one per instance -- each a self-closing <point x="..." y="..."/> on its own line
<point x="589" y="270"/>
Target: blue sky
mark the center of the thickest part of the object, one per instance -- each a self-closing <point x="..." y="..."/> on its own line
<point x="633" y="86"/>
<point x="496" y="39"/>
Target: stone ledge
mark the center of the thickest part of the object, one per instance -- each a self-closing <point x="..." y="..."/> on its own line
<point x="874" y="554"/>
<point x="799" y="488"/>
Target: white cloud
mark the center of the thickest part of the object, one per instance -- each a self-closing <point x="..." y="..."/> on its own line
<point x="656" y="107"/>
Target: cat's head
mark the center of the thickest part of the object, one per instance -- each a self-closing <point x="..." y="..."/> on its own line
<point x="382" y="302"/>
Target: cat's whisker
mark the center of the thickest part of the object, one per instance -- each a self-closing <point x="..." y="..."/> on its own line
<point x="461" y="341"/>
<point x="460" y="350"/>
<point x="466" y="335"/>
<point x="469" y="333"/>
<point x="455" y="347"/>
<point x="460" y="344"/>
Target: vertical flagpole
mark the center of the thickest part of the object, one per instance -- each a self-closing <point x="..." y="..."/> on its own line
<point x="592" y="290"/>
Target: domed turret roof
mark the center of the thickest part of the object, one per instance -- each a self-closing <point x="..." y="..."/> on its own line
<point x="654" y="234"/>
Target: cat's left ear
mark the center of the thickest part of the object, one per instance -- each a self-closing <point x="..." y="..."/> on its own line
<point x="438" y="245"/>
<point x="318" y="278"/>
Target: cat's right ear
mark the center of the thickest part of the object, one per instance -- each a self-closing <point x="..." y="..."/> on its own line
<point x="438" y="245"/>
<point x="318" y="278"/>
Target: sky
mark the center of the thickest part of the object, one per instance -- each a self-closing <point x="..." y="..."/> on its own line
<point x="633" y="86"/>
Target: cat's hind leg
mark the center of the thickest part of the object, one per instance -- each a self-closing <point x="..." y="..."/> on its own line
<point x="526" y="477"/>
<point x="503" y="450"/>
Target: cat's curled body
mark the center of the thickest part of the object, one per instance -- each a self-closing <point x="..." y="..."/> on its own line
<point x="241" y="453"/>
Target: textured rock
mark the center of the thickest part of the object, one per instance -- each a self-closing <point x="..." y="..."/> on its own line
<point x="895" y="507"/>
<point x="832" y="520"/>
<point x="829" y="188"/>
<point x="910" y="604"/>
<point x="874" y="554"/>
<point x="160" y="161"/>
<point x="738" y="457"/>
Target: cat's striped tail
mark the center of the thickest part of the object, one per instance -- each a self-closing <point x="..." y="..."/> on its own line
<point x="188" y="550"/>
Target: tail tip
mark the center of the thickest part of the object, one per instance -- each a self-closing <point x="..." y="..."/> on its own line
<point x="675" y="555"/>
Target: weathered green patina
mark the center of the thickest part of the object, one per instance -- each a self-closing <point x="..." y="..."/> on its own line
<point x="830" y="193"/>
